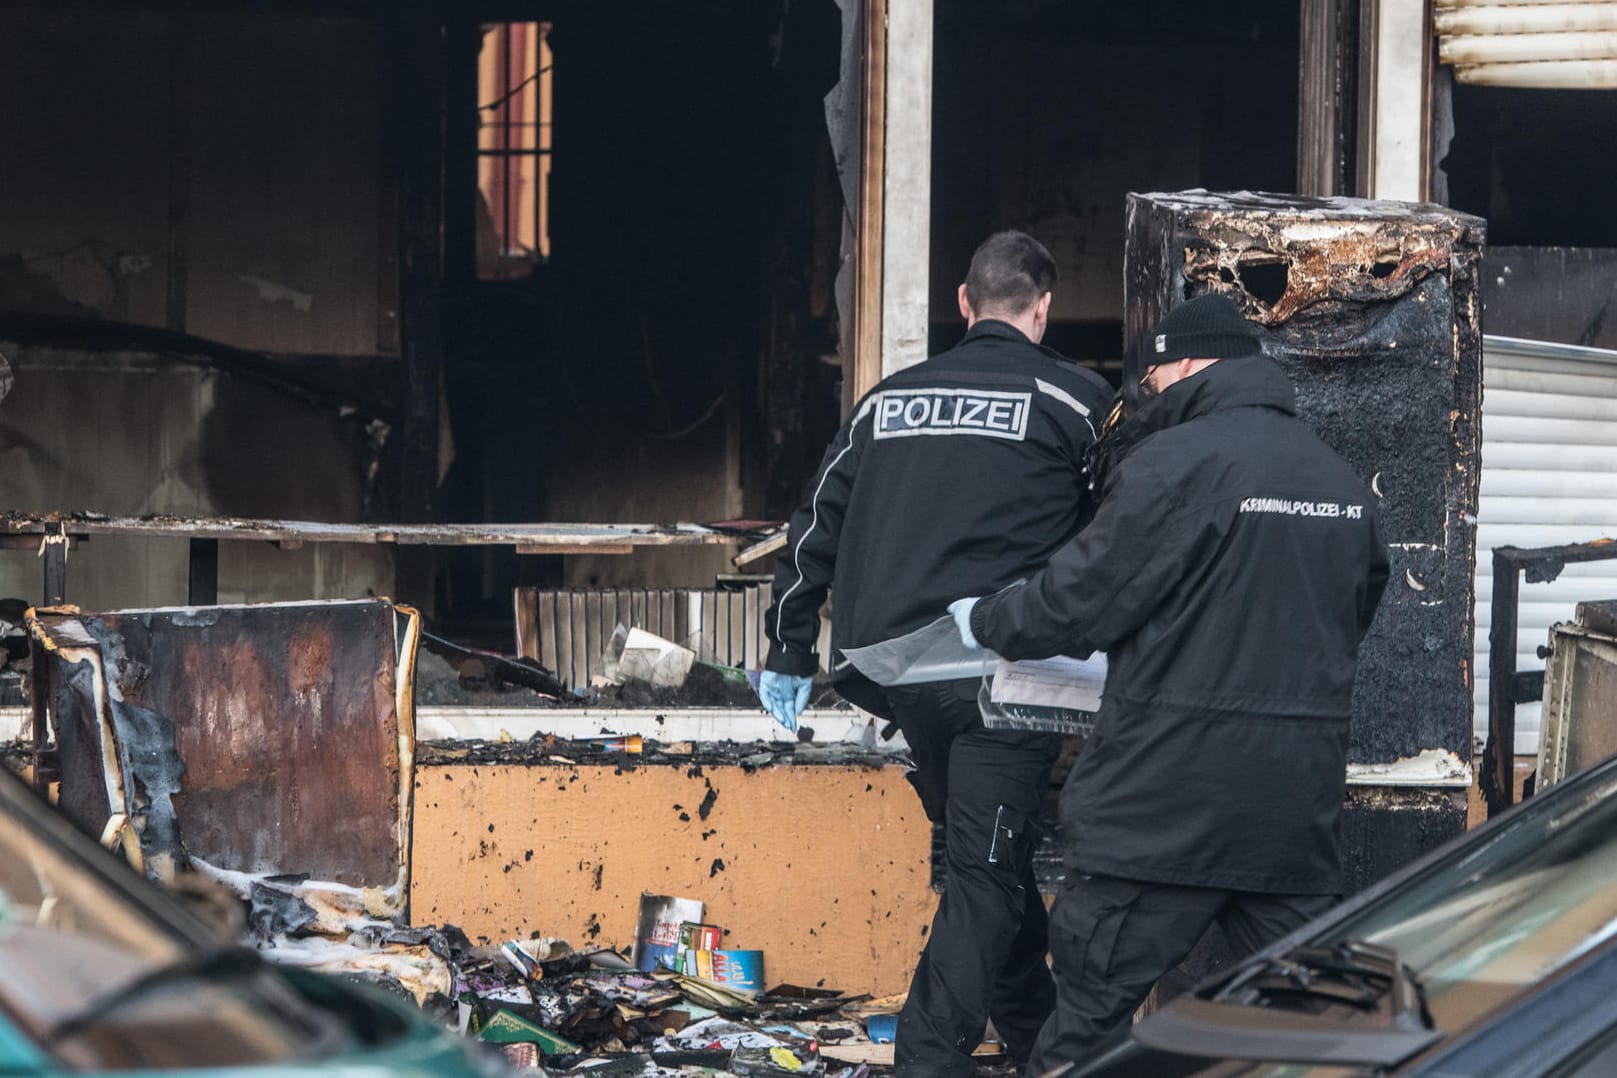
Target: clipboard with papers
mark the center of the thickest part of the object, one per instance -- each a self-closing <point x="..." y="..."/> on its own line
<point x="1060" y="695"/>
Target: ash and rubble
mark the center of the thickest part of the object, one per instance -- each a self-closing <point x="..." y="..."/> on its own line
<point x="591" y="1013"/>
<point x="749" y="755"/>
<point x="486" y="679"/>
<point x="560" y="1011"/>
<point x="572" y="1012"/>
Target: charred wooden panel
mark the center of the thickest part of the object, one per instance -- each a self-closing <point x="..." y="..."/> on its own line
<point x="1373" y="309"/>
<point x="286" y="718"/>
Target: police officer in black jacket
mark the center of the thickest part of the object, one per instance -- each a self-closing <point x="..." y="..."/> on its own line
<point x="955" y="476"/>
<point x="1230" y="572"/>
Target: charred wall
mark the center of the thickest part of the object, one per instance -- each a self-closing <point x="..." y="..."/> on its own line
<point x="133" y="435"/>
<point x="837" y="893"/>
<point x="1562" y="294"/>
<point x="1524" y="159"/>
<point x="216" y="173"/>
<point x="186" y="190"/>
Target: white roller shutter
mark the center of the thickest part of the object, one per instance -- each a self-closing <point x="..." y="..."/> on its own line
<point x="1547" y="44"/>
<point x="1549" y="476"/>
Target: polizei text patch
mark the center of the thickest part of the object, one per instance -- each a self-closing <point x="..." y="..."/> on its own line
<point x="903" y="413"/>
<point x="1293" y="508"/>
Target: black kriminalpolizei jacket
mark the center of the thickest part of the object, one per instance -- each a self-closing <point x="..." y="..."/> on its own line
<point x="1230" y="572"/>
<point x="953" y="477"/>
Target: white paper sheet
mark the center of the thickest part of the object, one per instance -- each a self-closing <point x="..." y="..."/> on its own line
<point x="1074" y="684"/>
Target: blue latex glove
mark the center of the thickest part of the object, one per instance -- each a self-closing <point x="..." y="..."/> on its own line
<point x="784" y="696"/>
<point x="961" y="610"/>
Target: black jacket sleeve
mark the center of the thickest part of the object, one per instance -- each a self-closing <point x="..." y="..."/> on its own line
<point x="804" y="569"/>
<point x="1101" y="586"/>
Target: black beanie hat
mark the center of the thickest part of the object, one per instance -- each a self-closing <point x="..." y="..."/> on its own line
<point x="1207" y="327"/>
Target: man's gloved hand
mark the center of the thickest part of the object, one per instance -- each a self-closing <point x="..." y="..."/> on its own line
<point x="784" y="696"/>
<point x="961" y="609"/>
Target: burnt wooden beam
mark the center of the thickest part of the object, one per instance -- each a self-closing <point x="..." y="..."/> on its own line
<point x="182" y="37"/>
<point x="416" y="71"/>
<point x="54" y="551"/>
<point x="1499" y="752"/>
<point x="51" y="543"/>
<point x="862" y="370"/>
<point x="415" y="147"/>
<point x="1327" y="96"/>
<point x="292" y="534"/>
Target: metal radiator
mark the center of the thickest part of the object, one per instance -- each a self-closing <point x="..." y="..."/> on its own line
<point x="566" y="629"/>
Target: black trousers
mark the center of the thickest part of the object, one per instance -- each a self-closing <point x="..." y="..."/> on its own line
<point x="1112" y="938"/>
<point x="985" y="953"/>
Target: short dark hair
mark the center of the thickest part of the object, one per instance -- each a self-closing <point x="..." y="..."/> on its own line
<point x="1009" y="272"/>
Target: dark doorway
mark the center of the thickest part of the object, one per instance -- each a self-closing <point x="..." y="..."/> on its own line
<point x="1045" y="115"/>
<point x="1537" y="164"/>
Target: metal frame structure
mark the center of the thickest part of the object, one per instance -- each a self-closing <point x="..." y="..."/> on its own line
<point x="1507" y="686"/>
<point x="52" y="536"/>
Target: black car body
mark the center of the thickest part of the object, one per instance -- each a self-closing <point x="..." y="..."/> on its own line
<point x="1495" y="956"/>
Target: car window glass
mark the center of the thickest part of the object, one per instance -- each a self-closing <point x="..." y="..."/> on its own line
<point x="1536" y="895"/>
<point x="93" y="974"/>
<point x="65" y="936"/>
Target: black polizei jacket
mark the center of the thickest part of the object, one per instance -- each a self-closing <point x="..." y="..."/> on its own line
<point x="1230" y="572"/>
<point x="952" y="477"/>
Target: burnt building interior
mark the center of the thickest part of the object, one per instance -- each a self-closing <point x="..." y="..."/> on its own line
<point x="525" y="262"/>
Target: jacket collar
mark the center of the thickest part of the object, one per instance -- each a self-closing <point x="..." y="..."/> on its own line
<point x="993" y="327"/>
<point x="1240" y="382"/>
